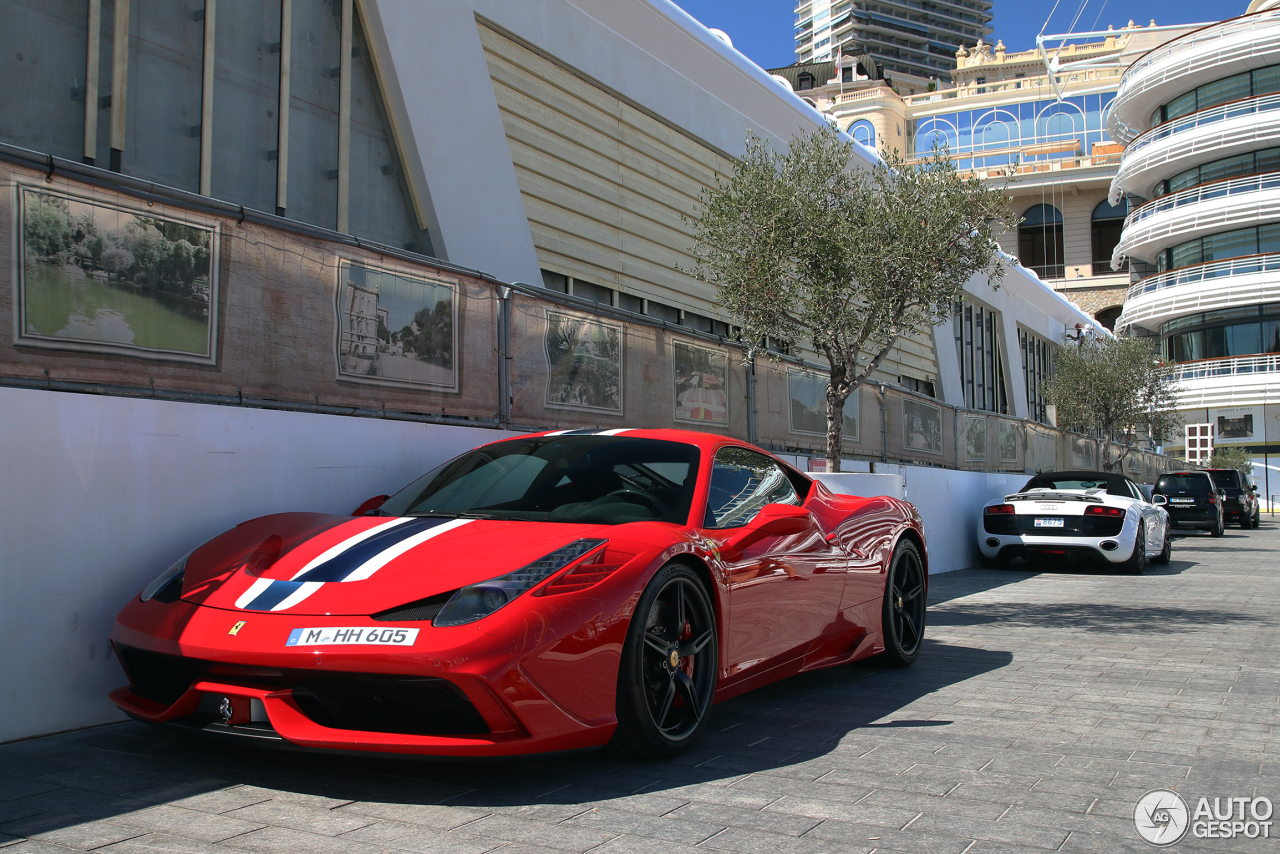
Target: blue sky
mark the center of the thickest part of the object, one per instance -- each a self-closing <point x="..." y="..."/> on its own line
<point x="762" y="29"/>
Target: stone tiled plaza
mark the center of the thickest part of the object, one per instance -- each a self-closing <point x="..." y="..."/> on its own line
<point x="1043" y="707"/>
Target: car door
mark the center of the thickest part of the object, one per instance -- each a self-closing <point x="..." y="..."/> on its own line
<point x="784" y="591"/>
<point x="1151" y="518"/>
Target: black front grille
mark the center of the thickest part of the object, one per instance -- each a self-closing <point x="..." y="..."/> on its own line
<point x="401" y="704"/>
<point x="423" y="609"/>
<point x="1072" y="526"/>
<point x="159" y="677"/>
<point x="409" y="705"/>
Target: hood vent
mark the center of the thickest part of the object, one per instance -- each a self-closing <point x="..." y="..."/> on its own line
<point x="420" y="611"/>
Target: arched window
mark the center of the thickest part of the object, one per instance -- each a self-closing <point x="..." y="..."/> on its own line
<point x="864" y="132"/>
<point x="1108" y="222"/>
<point x="1040" y="241"/>
<point x="938" y="131"/>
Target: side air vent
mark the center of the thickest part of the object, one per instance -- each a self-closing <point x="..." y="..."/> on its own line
<point x="420" y="611"/>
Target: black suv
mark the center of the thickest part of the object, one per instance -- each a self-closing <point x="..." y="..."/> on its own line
<point x="1191" y="500"/>
<point x="1241" y="504"/>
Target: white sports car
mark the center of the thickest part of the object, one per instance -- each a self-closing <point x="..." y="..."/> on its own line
<point x="1088" y="514"/>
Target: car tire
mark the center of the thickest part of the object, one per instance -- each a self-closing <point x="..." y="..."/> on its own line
<point x="1257" y="517"/>
<point x="903" y="612"/>
<point x="1246" y="522"/>
<point x="1166" y="554"/>
<point x="991" y="562"/>
<point x="1220" y="529"/>
<point x="661" y="708"/>
<point x="1137" y="561"/>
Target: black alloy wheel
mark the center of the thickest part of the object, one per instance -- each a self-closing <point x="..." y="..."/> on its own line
<point x="1137" y="561"/>
<point x="1166" y="553"/>
<point x="667" y="678"/>
<point x="903" y="613"/>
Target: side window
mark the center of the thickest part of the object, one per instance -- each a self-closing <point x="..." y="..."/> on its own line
<point x="743" y="481"/>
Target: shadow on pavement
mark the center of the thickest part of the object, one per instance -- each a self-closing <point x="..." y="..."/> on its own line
<point x="114" y="772"/>
<point x="1091" y="617"/>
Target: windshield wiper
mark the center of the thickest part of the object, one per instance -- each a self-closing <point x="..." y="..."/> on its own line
<point x="465" y="515"/>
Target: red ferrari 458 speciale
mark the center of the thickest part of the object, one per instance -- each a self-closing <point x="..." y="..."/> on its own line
<point x="556" y="591"/>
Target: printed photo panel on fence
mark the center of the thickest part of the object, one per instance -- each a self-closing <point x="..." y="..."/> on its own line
<point x="1008" y="442"/>
<point x="110" y="275"/>
<point x="975" y="438"/>
<point x="922" y="426"/>
<point x="396" y="326"/>
<point x="700" y="384"/>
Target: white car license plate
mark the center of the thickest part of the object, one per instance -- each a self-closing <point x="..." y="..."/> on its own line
<point x="1182" y="501"/>
<point x="1049" y="523"/>
<point x="340" y="635"/>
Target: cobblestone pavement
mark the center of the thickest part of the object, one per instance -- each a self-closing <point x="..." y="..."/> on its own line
<point x="1042" y="708"/>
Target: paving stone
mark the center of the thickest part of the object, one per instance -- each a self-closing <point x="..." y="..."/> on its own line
<point x="312" y="819"/>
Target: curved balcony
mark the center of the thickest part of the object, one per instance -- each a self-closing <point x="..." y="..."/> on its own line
<point x="1200" y="287"/>
<point x="1229" y="382"/>
<point x="1202" y="56"/>
<point x="1208" y="209"/>
<point x="1198" y="138"/>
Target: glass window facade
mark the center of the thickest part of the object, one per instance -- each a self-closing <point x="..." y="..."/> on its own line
<point x="1037" y="368"/>
<point x="1107" y="224"/>
<point x="981" y="368"/>
<point x="1245" y="331"/>
<point x="1260" y="81"/>
<point x="1040" y="241"/>
<point x="1254" y="240"/>
<point x="43" y="56"/>
<point x="1265" y="160"/>
<point x="1077" y="118"/>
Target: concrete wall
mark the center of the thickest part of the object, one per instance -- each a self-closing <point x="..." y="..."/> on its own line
<point x="949" y="503"/>
<point x="99" y="494"/>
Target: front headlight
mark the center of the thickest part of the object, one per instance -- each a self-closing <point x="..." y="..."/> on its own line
<point x="171" y="576"/>
<point x="480" y="600"/>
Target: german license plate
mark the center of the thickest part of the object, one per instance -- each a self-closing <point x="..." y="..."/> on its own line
<point x="1182" y="501"/>
<point x="342" y="635"/>
<point x="1049" y="522"/>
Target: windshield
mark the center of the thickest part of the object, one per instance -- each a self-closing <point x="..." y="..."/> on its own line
<point x="1196" y="483"/>
<point x="601" y="480"/>
<point x="1078" y="482"/>
<point x="1226" y="479"/>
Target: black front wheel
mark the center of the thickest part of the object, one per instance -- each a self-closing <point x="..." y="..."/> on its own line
<point x="903" y="614"/>
<point x="1220" y="529"/>
<point x="1137" y="562"/>
<point x="1166" y="553"/>
<point x="667" y="677"/>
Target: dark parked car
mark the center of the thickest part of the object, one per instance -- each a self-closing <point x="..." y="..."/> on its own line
<point x="1242" y="502"/>
<point x="1192" y="500"/>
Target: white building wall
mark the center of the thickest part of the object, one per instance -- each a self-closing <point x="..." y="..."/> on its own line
<point x="99" y="494"/>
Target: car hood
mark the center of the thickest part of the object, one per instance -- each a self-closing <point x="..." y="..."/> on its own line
<point x="313" y="564"/>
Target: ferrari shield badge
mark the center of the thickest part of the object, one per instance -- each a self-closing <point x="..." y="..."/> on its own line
<point x="235" y="630"/>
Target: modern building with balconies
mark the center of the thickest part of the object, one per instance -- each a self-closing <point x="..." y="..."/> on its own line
<point x="1200" y="118"/>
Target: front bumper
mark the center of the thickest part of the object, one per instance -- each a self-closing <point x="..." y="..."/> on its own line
<point x="475" y="684"/>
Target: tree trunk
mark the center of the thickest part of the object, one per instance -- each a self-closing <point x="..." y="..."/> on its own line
<point x="835" y="416"/>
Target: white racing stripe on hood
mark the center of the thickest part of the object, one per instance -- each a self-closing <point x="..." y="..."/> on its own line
<point x="258" y="586"/>
<point x="307" y="588"/>
<point x="369" y="567"/>
<point x="341" y="547"/>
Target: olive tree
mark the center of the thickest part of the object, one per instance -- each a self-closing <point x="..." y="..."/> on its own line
<point x="809" y="250"/>
<point x="1232" y="458"/>
<point x="1114" y="389"/>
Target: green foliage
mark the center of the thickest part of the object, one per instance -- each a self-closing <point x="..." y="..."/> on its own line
<point x="1232" y="458"/>
<point x="433" y="342"/>
<point x="151" y="254"/>
<point x="1114" y="389"/>
<point x="808" y="249"/>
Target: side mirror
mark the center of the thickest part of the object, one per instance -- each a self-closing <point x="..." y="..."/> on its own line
<point x="372" y="504"/>
<point x="1253" y="488"/>
<point x="1159" y="499"/>
<point x="780" y="520"/>
<point x="773" y="520"/>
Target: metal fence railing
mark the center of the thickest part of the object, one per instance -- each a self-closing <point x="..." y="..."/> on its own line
<point x="271" y="317"/>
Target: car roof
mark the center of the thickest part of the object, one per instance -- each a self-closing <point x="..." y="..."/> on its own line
<point x="704" y="441"/>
